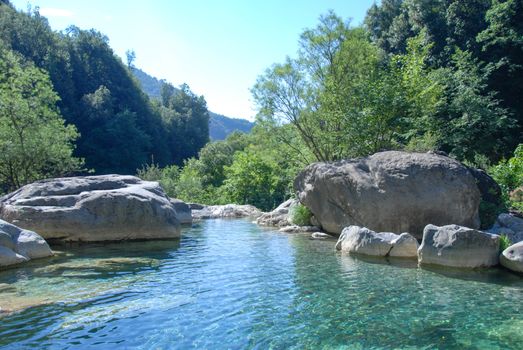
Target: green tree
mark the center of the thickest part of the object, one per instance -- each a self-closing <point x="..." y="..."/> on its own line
<point x="34" y="142"/>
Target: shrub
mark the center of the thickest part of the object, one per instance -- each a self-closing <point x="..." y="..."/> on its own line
<point x="504" y="243"/>
<point x="509" y="175"/>
<point x="301" y="215"/>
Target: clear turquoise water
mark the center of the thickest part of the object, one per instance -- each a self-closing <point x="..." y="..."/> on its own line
<point x="232" y="285"/>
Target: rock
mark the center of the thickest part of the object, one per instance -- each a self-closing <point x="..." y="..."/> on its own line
<point x="279" y="217"/>
<point x="196" y="206"/>
<point x="361" y="240"/>
<point x="458" y="246"/>
<point x="298" y="229"/>
<point x="510" y="226"/>
<point x="320" y="235"/>
<point x="226" y="211"/>
<point x="390" y="191"/>
<point x="405" y="246"/>
<point x="93" y="208"/>
<point x="512" y="257"/>
<point x="183" y="211"/>
<point x="18" y="245"/>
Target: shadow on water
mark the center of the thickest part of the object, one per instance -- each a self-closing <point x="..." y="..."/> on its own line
<point x="493" y="275"/>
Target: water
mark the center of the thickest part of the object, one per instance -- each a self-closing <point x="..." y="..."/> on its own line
<point x="232" y="285"/>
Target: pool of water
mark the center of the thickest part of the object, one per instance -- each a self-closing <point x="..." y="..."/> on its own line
<point x="229" y="284"/>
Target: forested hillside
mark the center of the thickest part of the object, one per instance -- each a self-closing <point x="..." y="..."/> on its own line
<point x="112" y="124"/>
<point x="220" y="126"/>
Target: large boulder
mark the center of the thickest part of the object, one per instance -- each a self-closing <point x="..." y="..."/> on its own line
<point x="280" y="216"/>
<point x="512" y="257"/>
<point x="509" y="225"/>
<point x="390" y="191"/>
<point x="226" y="211"/>
<point x="93" y="208"/>
<point x="458" y="246"/>
<point x="18" y="245"/>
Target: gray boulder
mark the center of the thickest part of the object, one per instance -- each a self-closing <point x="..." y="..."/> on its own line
<point x="280" y="216"/>
<point x="93" y="208"/>
<point x="390" y="191"/>
<point x="226" y="211"/>
<point x="510" y="226"/>
<point x="361" y="240"/>
<point x="512" y="257"/>
<point x="18" y="245"/>
<point x="183" y="211"/>
<point x="458" y="246"/>
<point x="405" y="246"/>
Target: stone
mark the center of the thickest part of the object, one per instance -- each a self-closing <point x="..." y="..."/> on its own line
<point x="18" y="245"/>
<point x="390" y="191"/>
<point x="93" y="208"/>
<point x="280" y="216"/>
<point x="458" y="246"/>
<point x="405" y="246"/>
<point x="361" y="240"/>
<point x="298" y="229"/>
<point x="512" y="257"/>
<point x="183" y="211"/>
<point x="509" y="225"/>
<point x="320" y="235"/>
<point x="226" y="211"/>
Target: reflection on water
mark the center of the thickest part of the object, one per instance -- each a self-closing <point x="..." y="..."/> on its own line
<point x="230" y="284"/>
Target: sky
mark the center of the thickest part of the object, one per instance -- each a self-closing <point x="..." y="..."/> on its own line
<point x="217" y="47"/>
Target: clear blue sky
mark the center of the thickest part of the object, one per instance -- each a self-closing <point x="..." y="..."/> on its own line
<point x="218" y="47"/>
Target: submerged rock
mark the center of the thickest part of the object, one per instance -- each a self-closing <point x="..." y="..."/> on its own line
<point x="458" y="246"/>
<point x="280" y="216"/>
<point x="226" y="211"/>
<point x="18" y="245"/>
<point x="512" y="257"/>
<point x="390" y="191"/>
<point x="93" y="208"/>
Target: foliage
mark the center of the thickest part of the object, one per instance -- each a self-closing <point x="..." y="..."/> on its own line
<point x="504" y="243"/>
<point x="301" y="215"/>
<point x="34" y="141"/>
<point x="509" y="175"/>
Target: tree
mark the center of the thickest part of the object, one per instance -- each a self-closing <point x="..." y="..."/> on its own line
<point x="130" y="55"/>
<point x="34" y="141"/>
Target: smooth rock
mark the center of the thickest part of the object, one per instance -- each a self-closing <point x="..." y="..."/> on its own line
<point x="390" y="191"/>
<point x="510" y="226"/>
<point x="458" y="246"/>
<point x="320" y="235"/>
<point x="361" y="240"/>
<point x="183" y="211"/>
<point x="93" y="208"/>
<point x="18" y="245"/>
<point x="280" y="216"/>
<point x="298" y="229"/>
<point x="512" y="257"/>
<point x="405" y="246"/>
<point x="226" y="211"/>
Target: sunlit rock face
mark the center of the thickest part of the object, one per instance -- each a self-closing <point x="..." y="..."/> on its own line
<point x="390" y="192"/>
<point x="18" y="245"/>
<point x="93" y="208"/>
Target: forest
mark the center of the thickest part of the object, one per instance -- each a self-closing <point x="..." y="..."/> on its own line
<point x="417" y="75"/>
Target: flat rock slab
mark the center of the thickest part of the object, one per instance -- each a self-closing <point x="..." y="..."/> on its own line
<point x="458" y="246"/>
<point x="93" y="208"/>
<point x="226" y="211"/>
<point x="18" y="245"/>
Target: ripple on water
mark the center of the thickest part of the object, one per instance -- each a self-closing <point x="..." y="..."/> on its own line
<point x="230" y="284"/>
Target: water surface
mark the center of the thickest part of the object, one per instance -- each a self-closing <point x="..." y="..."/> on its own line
<point x="229" y="284"/>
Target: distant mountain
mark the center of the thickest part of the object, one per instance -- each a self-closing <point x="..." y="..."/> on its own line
<point x="220" y="126"/>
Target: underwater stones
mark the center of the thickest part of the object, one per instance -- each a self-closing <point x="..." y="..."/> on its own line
<point x="458" y="246"/>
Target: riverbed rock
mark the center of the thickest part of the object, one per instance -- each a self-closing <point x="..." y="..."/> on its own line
<point x="512" y="257"/>
<point x="458" y="246"/>
<point x="226" y="211"/>
<point x="361" y="240"/>
<point x="390" y="191"/>
<point x="280" y="216"/>
<point x="321" y="235"/>
<point x="18" y="245"/>
<point x="298" y="229"/>
<point x="93" y="208"/>
<point x="183" y="211"/>
<point x="405" y="246"/>
<point x="509" y="225"/>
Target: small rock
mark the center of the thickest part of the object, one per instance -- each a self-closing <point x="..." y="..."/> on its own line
<point x="405" y="246"/>
<point x="361" y="240"/>
<point x="320" y="235"/>
<point x="298" y="229"/>
<point x="512" y="257"/>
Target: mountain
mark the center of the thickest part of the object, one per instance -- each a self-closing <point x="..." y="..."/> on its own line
<point x="220" y="126"/>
